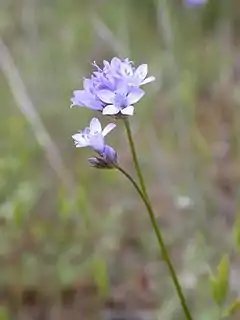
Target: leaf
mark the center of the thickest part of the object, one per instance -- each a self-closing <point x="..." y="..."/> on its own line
<point x="236" y="233"/>
<point x="219" y="282"/>
<point x="100" y="274"/>
<point x="232" y="309"/>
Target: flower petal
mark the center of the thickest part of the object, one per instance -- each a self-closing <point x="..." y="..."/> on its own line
<point x="81" y="140"/>
<point x="84" y="98"/>
<point x="86" y="131"/>
<point x="95" y="126"/>
<point x="110" y="110"/>
<point x="109" y="127"/>
<point x="126" y="69"/>
<point x="135" y="95"/>
<point x="97" y="142"/>
<point x="122" y="89"/>
<point x="115" y="63"/>
<point x="141" y="72"/>
<point x="87" y="84"/>
<point x="110" y="155"/>
<point x="106" y="96"/>
<point x="147" y="80"/>
<point x="77" y="98"/>
<point x="128" y="111"/>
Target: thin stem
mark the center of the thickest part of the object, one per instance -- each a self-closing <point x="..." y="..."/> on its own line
<point x="135" y="159"/>
<point x="144" y="196"/>
<point x="127" y="175"/>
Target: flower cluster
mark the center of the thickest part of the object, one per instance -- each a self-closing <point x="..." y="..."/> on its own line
<point x="113" y="91"/>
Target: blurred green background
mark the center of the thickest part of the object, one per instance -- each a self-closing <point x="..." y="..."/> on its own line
<point x="76" y="241"/>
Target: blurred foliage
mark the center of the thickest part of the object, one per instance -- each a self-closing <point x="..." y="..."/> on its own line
<point x="187" y="131"/>
<point x="220" y="281"/>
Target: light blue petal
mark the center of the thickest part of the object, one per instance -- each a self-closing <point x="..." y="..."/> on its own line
<point x="106" y="96"/>
<point x="109" y="127"/>
<point x="97" y="142"/>
<point x="95" y="126"/>
<point x="110" y="110"/>
<point x="135" y="95"/>
<point x="128" y="111"/>
<point x="141" y="72"/>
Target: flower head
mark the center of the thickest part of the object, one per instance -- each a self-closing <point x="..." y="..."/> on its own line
<point x="93" y="136"/>
<point x="195" y="3"/>
<point x="121" y="100"/>
<point x="114" y="89"/>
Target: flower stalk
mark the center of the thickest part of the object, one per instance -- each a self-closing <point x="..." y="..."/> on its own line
<point x="145" y="198"/>
<point x="113" y="90"/>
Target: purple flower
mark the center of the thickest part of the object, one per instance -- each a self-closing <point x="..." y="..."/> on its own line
<point x="120" y="101"/>
<point x="93" y="136"/>
<point x="124" y="70"/>
<point x="114" y="89"/>
<point x="195" y="3"/>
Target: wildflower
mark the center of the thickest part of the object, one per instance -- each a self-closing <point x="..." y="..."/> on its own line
<point x="120" y="101"/>
<point x="193" y="3"/>
<point x="114" y="89"/>
<point x="126" y="71"/>
<point x="93" y="136"/>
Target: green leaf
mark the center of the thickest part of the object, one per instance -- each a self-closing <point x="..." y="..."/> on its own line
<point x="100" y="274"/>
<point x="219" y="282"/>
<point x="232" y="309"/>
<point x="236" y="233"/>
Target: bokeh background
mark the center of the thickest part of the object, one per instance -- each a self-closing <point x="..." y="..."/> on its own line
<point x="76" y="242"/>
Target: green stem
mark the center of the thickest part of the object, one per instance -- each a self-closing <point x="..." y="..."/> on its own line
<point x="127" y="175"/>
<point x="135" y="159"/>
<point x="144" y="196"/>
